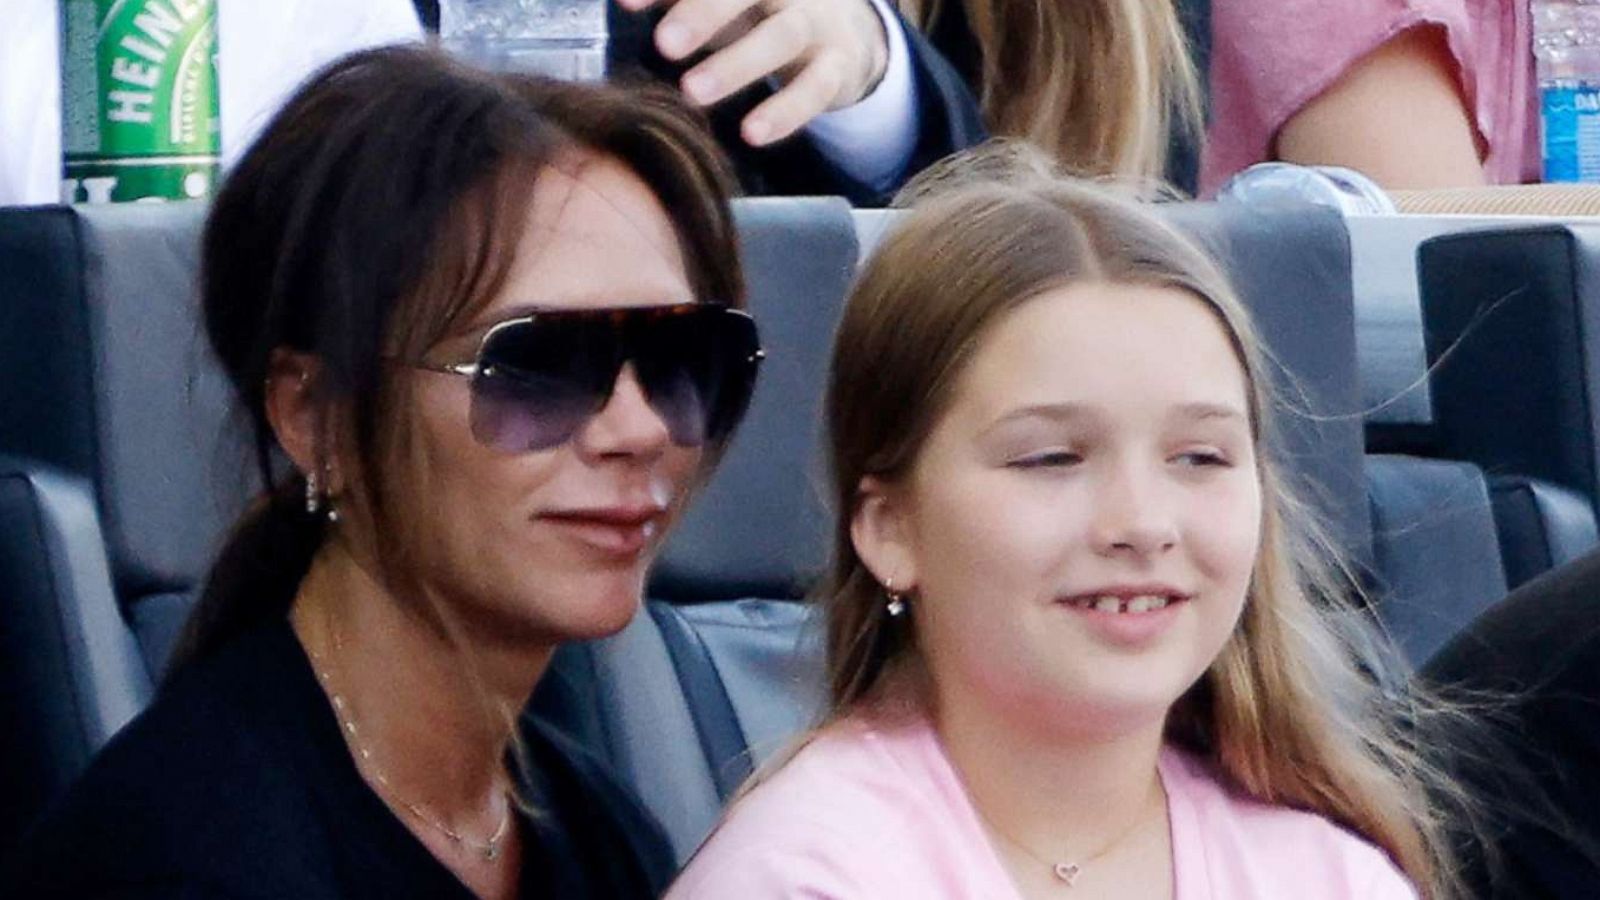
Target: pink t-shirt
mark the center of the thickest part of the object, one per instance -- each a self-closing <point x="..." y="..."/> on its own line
<point x="873" y="812"/>
<point x="1271" y="57"/>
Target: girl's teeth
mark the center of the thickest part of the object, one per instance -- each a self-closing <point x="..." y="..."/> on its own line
<point x="1113" y="604"/>
<point x="1146" y="604"/>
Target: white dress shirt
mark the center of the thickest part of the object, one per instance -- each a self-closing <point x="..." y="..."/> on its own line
<point x="874" y="139"/>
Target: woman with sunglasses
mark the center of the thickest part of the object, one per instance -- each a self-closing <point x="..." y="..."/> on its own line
<point x="489" y="321"/>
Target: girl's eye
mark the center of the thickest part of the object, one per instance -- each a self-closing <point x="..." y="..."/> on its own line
<point x="1201" y="459"/>
<point x="1047" y="459"/>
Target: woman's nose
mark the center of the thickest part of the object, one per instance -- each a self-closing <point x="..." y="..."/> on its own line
<point x="627" y="426"/>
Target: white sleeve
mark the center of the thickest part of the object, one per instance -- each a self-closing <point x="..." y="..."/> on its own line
<point x="872" y="140"/>
<point x="266" y="49"/>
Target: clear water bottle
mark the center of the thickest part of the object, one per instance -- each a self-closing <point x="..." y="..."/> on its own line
<point x="1277" y="184"/>
<point x="1566" y="46"/>
<point x="560" y="38"/>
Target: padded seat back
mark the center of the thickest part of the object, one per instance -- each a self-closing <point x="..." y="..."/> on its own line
<point x="1513" y="333"/>
<point x="1474" y="354"/>
<point x="108" y="378"/>
<point x="1435" y="549"/>
<point x="1541" y="526"/>
<point x="117" y="479"/>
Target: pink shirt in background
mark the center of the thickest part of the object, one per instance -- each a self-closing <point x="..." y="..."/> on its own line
<point x="879" y="812"/>
<point x="1271" y="57"/>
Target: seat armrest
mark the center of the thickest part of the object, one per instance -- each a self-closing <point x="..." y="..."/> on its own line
<point x="71" y="669"/>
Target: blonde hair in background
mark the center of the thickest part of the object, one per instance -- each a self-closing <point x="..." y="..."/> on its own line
<point x="1102" y="84"/>
<point x="1285" y="712"/>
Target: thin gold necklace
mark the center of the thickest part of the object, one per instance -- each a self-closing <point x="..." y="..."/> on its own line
<point x="1065" y="871"/>
<point x="489" y="849"/>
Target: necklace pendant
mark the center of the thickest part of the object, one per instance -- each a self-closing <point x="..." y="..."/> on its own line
<point x="491" y="852"/>
<point x="1067" y="872"/>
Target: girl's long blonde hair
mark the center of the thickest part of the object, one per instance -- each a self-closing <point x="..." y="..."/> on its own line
<point x="1285" y="713"/>
<point x="1102" y="84"/>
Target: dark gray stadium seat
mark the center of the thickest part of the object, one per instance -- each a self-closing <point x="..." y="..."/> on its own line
<point x="1482" y="439"/>
<point x="1436" y="554"/>
<point x="115" y="480"/>
<point x="1512" y="328"/>
<point x="1541" y="526"/>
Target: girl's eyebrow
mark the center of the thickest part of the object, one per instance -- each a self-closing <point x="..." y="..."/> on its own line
<point x="1056" y="412"/>
<point x="1198" y="411"/>
<point x="1203" y="410"/>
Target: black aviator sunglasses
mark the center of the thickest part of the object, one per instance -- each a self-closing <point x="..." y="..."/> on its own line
<point x="537" y="378"/>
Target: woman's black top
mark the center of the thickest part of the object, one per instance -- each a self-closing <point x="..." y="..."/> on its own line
<point x="236" y="783"/>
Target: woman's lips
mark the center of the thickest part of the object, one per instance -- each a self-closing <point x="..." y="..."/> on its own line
<point x="617" y="531"/>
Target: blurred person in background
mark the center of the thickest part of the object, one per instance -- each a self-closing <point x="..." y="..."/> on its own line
<point x="1415" y="94"/>
<point x="475" y="429"/>
<point x="1532" y="661"/>
<point x="806" y="96"/>
<point x="1109" y="87"/>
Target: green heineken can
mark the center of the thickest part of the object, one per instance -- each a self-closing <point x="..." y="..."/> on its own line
<point x="139" y="100"/>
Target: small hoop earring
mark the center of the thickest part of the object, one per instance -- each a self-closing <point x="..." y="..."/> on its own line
<point x="897" y="602"/>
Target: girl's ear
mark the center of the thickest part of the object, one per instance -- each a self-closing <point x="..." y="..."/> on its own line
<point x="884" y="535"/>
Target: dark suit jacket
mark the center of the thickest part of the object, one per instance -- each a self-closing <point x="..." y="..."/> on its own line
<point x="948" y="115"/>
<point x="1533" y="755"/>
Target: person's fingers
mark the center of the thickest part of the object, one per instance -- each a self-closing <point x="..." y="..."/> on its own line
<point x="642" y="5"/>
<point x="775" y="44"/>
<point x="690" y="24"/>
<point x="806" y="96"/>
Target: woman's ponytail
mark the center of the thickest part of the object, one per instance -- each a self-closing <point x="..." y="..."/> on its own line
<point x="256" y="575"/>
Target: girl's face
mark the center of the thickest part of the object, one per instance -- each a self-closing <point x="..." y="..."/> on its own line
<point x="553" y="543"/>
<point x="1079" y="530"/>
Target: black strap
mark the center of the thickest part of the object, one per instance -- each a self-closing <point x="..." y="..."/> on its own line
<point x="722" y="739"/>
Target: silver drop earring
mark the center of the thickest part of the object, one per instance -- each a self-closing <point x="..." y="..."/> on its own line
<point x="313" y="496"/>
<point x="897" y="602"/>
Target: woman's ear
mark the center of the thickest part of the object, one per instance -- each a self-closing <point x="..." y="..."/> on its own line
<point x="884" y="535"/>
<point x="294" y="411"/>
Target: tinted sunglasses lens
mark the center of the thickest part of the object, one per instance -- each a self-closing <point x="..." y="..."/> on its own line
<point x="540" y="379"/>
<point x="516" y="413"/>
<point x="698" y="370"/>
<point x="537" y="383"/>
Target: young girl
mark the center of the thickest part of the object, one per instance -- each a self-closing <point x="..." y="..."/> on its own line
<point x="1076" y="648"/>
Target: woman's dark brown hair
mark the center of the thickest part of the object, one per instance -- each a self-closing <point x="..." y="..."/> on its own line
<point x="379" y="210"/>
